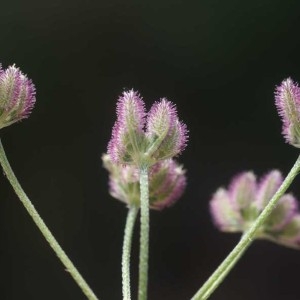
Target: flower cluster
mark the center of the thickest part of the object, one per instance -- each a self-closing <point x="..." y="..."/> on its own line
<point x="236" y="208"/>
<point x="140" y="138"/>
<point x="167" y="182"/>
<point x="17" y="96"/>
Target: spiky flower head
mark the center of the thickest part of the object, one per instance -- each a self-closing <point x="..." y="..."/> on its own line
<point x="139" y="138"/>
<point x="287" y="100"/>
<point x="127" y="133"/>
<point x="236" y="208"/>
<point x="166" y="134"/>
<point x="167" y="182"/>
<point x="17" y="96"/>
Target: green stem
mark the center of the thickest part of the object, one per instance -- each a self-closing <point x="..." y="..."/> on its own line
<point x="42" y="226"/>
<point x="217" y="277"/>
<point x="144" y="234"/>
<point x="210" y="289"/>
<point x="131" y="217"/>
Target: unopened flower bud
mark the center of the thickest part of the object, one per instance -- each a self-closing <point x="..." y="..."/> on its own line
<point x="267" y="187"/>
<point x="225" y="214"/>
<point x="290" y="234"/>
<point x="282" y="214"/>
<point x="127" y="134"/>
<point x="242" y="190"/>
<point x="17" y="96"/>
<point x="167" y="184"/>
<point x="167" y="135"/>
<point x="287" y="100"/>
<point x="123" y="181"/>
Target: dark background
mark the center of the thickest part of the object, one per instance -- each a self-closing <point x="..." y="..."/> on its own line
<point x="219" y="61"/>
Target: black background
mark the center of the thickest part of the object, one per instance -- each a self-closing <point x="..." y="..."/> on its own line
<point x="219" y="61"/>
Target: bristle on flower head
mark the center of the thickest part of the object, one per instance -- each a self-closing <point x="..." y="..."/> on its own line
<point x="287" y="101"/>
<point x="17" y="96"/>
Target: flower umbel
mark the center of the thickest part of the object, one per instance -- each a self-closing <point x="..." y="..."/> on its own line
<point x="17" y="96"/>
<point x="235" y="209"/>
<point x="138" y="138"/>
<point x="167" y="182"/>
<point x="287" y="100"/>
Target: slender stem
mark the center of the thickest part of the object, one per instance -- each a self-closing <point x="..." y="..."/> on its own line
<point x="144" y="237"/>
<point x="131" y="217"/>
<point x="217" y="277"/>
<point x="222" y="276"/>
<point x="42" y="226"/>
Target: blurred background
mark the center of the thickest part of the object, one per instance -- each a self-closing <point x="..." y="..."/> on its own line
<point x="219" y="61"/>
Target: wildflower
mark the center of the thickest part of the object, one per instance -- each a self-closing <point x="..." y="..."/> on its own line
<point x="17" y="96"/>
<point x="287" y="100"/>
<point x="167" y="182"/>
<point x="236" y="208"/>
<point x="140" y="138"/>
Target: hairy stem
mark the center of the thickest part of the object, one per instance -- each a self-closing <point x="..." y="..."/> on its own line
<point x="131" y="217"/>
<point x="220" y="273"/>
<point x="219" y="280"/>
<point x="144" y="234"/>
<point x="42" y="226"/>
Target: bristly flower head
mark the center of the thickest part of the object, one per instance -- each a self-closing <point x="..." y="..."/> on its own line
<point x="235" y="209"/>
<point x="287" y="100"/>
<point x="167" y="182"/>
<point x="167" y="135"/>
<point x="127" y="133"/>
<point x="17" y="96"/>
<point x="138" y="138"/>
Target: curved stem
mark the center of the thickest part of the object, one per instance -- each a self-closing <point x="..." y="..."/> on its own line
<point x="217" y="277"/>
<point x="144" y="234"/>
<point x="42" y="226"/>
<point x="131" y="217"/>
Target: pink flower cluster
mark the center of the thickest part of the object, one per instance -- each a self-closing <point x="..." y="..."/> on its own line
<point x="138" y="137"/>
<point x="236" y="208"/>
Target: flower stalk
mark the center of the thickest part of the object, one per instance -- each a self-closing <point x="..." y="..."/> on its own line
<point x="43" y="227"/>
<point x="144" y="234"/>
<point x="210" y="289"/>
<point x="130" y="221"/>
